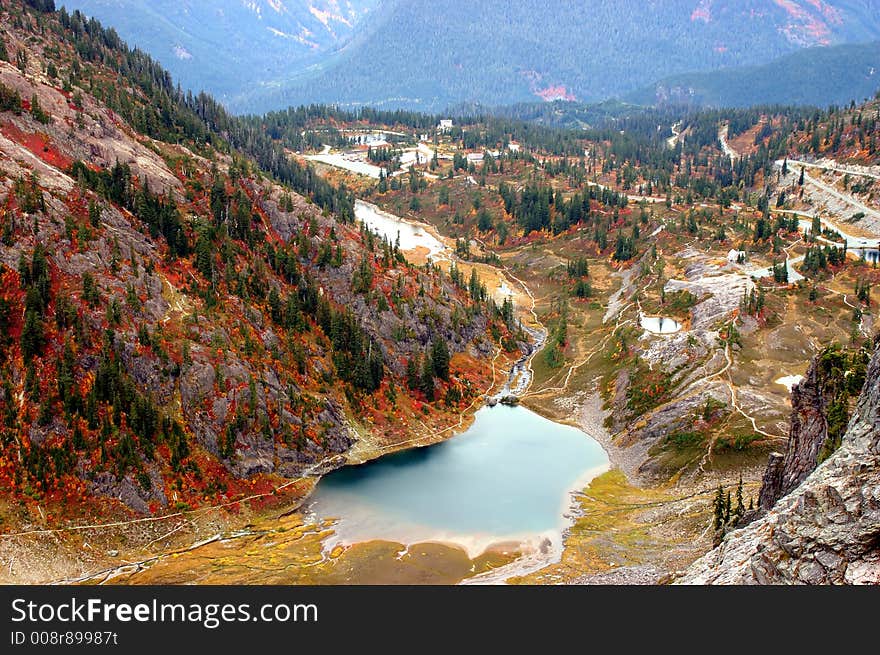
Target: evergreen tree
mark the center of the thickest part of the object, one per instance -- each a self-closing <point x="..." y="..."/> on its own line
<point x="46" y="6"/>
<point x="718" y="508"/>
<point x="740" y="506"/>
<point x="440" y="358"/>
<point x="37" y="111"/>
<point x="426" y="382"/>
<point x="624" y="249"/>
<point x="413" y="373"/>
<point x="484" y="221"/>
<point x="476" y="289"/>
<point x="32" y="334"/>
<point x="10" y="99"/>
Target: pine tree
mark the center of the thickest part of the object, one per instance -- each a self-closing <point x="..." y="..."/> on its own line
<point x="37" y="111"/>
<point x="426" y="383"/>
<point x="484" y="221"/>
<point x="252" y="396"/>
<point x="740" y="506"/>
<point x="440" y="358"/>
<point x="412" y="373"/>
<point x="718" y="507"/>
<point x="475" y="288"/>
<point x="32" y="335"/>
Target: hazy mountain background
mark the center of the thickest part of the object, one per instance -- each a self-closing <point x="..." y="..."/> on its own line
<point x="815" y="76"/>
<point x="236" y="49"/>
<point x="267" y="54"/>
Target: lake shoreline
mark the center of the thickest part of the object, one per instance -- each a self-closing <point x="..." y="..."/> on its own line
<point x="518" y="469"/>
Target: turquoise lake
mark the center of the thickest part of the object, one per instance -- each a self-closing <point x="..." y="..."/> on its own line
<point x="508" y="478"/>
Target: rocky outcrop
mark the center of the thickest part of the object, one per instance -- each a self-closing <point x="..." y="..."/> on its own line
<point x="771" y="483"/>
<point x="826" y="531"/>
<point x="809" y="430"/>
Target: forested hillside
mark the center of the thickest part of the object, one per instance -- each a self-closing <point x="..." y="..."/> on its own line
<point x="179" y="326"/>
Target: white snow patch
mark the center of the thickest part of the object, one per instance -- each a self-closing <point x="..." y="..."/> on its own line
<point x="789" y="381"/>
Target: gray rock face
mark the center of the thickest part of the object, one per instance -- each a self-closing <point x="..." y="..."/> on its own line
<point x="676" y="416"/>
<point x="196" y="383"/>
<point x="719" y="295"/>
<point x="130" y="490"/>
<point x="258" y="452"/>
<point x="621" y="386"/>
<point x="771" y="483"/>
<point x="827" y="531"/>
<point x="809" y="430"/>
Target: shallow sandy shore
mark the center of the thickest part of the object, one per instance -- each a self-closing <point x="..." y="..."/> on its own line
<point x="589" y="416"/>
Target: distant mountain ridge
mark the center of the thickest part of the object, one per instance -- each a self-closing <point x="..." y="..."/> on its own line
<point x="816" y="76"/>
<point x="418" y="54"/>
<point x="496" y="53"/>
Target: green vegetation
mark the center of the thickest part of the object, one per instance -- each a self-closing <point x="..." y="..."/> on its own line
<point x="681" y="439"/>
<point x="841" y="376"/>
<point x="726" y="515"/>
<point x="10" y="99"/>
<point x="160" y="214"/>
<point x="647" y="390"/>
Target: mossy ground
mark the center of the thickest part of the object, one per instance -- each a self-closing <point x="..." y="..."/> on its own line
<point x="623" y="525"/>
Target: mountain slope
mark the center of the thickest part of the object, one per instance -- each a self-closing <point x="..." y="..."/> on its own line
<point x="232" y="47"/>
<point x="816" y="76"/>
<point x="176" y="328"/>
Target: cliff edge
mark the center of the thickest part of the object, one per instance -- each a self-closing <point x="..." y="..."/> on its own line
<point x="827" y="530"/>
